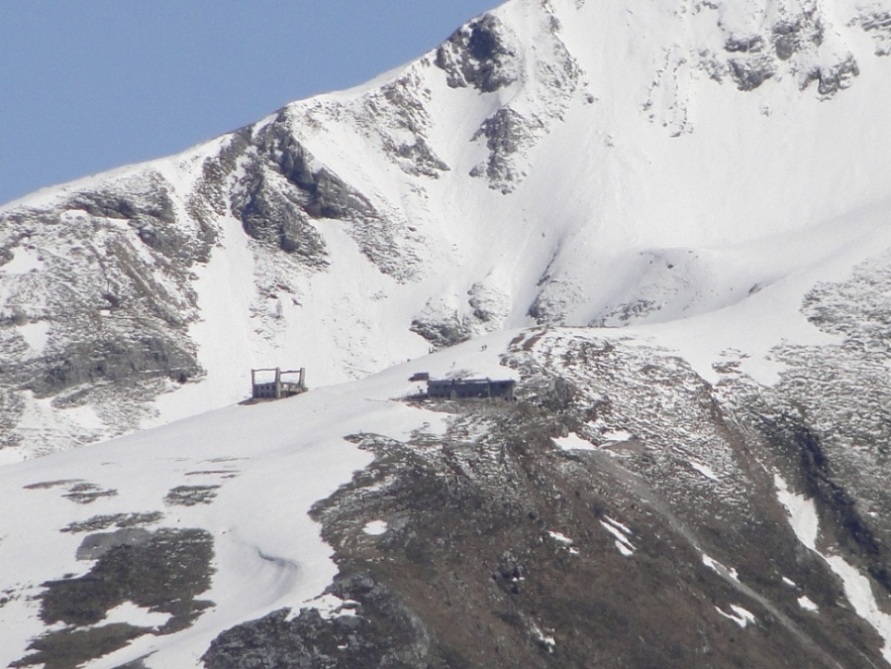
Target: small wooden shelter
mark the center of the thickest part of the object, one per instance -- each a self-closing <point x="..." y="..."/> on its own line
<point x="280" y="386"/>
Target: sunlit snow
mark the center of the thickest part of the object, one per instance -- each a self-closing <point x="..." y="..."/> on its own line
<point x="805" y="522"/>
<point x="738" y="614"/>
<point x="646" y="201"/>
<point x="573" y="442"/>
<point x="375" y="527"/>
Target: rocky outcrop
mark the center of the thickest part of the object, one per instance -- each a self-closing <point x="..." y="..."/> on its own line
<point x="830" y="412"/>
<point x="876" y="21"/>
<point x="790" y="44"/>
<point x="616" y="495"/>
<point x="378" y="632"/>
<point x="506" y="133"/>
<point x="442" y="331"/>
<point x="283" y="191"/>
<point x="163" y="571"/>
<point x="476" y="55"/>
<point x="830" y="80"/>
<point x="98" y="298"/>
<point x="749" y="74"/>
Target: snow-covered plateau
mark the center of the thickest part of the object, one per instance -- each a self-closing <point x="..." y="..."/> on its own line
<point x="669" y="223"/>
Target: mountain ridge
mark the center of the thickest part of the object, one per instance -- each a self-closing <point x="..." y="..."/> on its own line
<point x="677" y="246"/>
<point x="288" y="179"/>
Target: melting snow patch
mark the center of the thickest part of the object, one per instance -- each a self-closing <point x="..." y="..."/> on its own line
<point x="543" y="639"/>
<point x="621" y="527"/>
<point x="617" y="435"/>
<point x="802" y="513"/>
<point x="859" y="592"/>
<point x="740" y="616"/>
<point x="807" y="604"/>
<point x="705" y="470"/>
<point x="375" y="527"/>
<point x="36" y="335"/>
<point x="562" y="538"/>
<point x="574" y="443"/>
<point x="624" y="548"/>
<point x="805" y="524"/>
<point x="622" y="535"/>
<point x="719" y="568"/>
<point x="131" y="614"/>
<point x="330" y="606"/>
<point x="24" y="259"/>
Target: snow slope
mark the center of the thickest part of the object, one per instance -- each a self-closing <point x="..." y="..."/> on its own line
<point x="264" y="466"/>
<point x="708" y="177"/>
<point x="553" y="162"/>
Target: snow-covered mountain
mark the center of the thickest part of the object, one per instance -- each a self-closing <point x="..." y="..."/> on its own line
<point x="668" y="222"/>
<point x="552" y="162"/>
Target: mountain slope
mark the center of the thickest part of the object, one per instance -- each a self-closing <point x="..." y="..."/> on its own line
<point x="702" y="486"/>
<point x="546" y="164"/>
<point x="622" y="492"/>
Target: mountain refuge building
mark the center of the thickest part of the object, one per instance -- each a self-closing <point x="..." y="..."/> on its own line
<point x="471" y="388"/>
<point x="285" y="383"/>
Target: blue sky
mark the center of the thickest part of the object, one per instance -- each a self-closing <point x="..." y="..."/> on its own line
<point x="88" y="85"/>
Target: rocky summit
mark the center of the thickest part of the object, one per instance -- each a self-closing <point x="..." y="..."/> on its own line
<point x="663" y="226"/>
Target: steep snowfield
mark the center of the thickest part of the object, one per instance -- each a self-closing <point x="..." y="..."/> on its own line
<point x="613" y="219"/>
<point x="554" y="162"/>
<point x="709" y="177"/>
<point x="771" y="314"/>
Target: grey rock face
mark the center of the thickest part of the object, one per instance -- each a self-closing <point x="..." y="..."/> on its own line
<point x="749" y="74"/>
<point x="830" y="80"/>
<point x="109" y="288"/>
<point x="442" y="331"/>
<point x="792" y="44"/>
<point x="379" y="631"/>
<point x="282" y="194"/>
<point x="119" y="520"/>
<point x="164" y="571"/>
<point x="503" y="550"/>
<point x="399" y="108"/>
<point x="270" y="216"/>
<point x="286" y="193"/>
<point x="797" y="33"/>
<point x="555" y="299"/>
<point x="877" y="22"/>
<point x="476" y="55"/>
<point x="97" y="545"/>
<point x="325" y="196"/>
<point x="832" y="408"/>
<point x="419" y="159"/>
<point x="749" y="44"/>
<point x="506" y="133"/>
<point x="118" y="205"/>
<point x="115" y="360"/>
